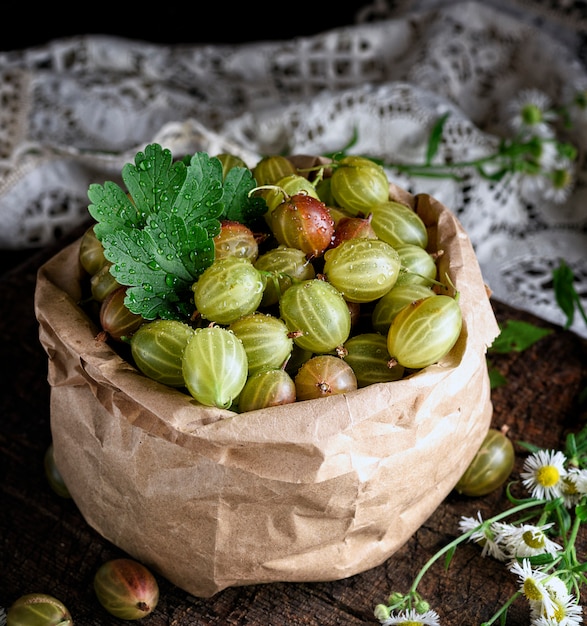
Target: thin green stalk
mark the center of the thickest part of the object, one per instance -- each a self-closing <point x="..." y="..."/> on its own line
<point x="503" y="609"/>
<point x="455" y="542"/>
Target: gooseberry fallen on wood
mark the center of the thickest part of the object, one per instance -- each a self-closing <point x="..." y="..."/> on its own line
<point x="126" y="588"/>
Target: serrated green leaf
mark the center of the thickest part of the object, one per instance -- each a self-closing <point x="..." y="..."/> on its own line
<point x="516" y="336"/>
<point x="201" y="199"/>
<point x="136" y="263"/>
<point x="154" y="181"/>
<point x="238" y="205"/>
<point x="112" y="209"/>
<point x="163" y="239"/>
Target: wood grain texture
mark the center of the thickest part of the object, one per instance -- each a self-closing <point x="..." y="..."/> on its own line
<point x="47" y="547"/>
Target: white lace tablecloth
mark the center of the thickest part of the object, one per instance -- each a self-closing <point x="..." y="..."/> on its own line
<point x="75" y="110"/>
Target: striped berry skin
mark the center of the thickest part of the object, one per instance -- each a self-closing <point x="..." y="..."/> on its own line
<point x="398" y="224"/>
<point x="235" y="239"/>
<point x="367" y="354"/>
<point x="272" y="168"/>
<point x="157" y="349"/>
<point x="91" y="252"/>
<point x="490" y="467"/>
<point x="285" y="187"/>
<point x="317" y="314"/>
<point x="418" y="265"/>
<point x="215" y="366"/>
<point x="284" y="265"/>
<point x="265" y="338"/>
<point x="37" y="609"/>
<point x="229" y="161"/>
<point x="265" y="388"/>
<point x="227" y="289"/>
<point x="116" y="318"/>
<point x="357" y="184"/>
<point x="324" y="375"/>
<point x="424" y="331"/>
<point x="389" y="305"/>
<point x="303" y="222"/>
<point x="352" y="228"/>
<point x="126" y="589"/>
<point x="363" y="270"/>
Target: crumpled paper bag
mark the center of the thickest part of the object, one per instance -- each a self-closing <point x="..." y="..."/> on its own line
<point x="317" y="490"/>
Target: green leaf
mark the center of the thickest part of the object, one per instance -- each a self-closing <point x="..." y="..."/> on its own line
<point x="449" y="556"/>
<point x="112" y="209"/>
<point x="516" y="336"/>
<point x="564" y="291"/>
<point x="495" y="176"/>
<point x="238" y="205"/>
<point x="435" y="138"/>
<point x="538" y="560"/>
<point x="161" y="239"/>
<point x="529" y="446"/>
<point x="496" y="379"/>
<point x="153" y="181"/>
<point x="563" y="518"/>
<point x="581" y="512"/>
<point x="201" y="199"/>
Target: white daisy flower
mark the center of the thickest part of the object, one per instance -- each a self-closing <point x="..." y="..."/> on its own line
<point x="574" y="486"/>
<point x="554" y="183"/>
<point x="529" y="540"/>
<point x="566" y="610"/>
<point x="532" y="585"/>
<point x="579" y="479"/>
<point x="556" y="587"/>
<point x="486" y="535"/>
<point x="559" y="182"/>
<point x="411" y="617"/>
<point x="542" y="474"/>
<point x="548" y="155"/>
<point x="531" y="112"/>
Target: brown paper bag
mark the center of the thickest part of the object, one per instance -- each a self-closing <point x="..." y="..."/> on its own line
<point x="313" y="491"/>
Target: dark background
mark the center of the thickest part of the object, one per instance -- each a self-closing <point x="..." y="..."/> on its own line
<point x="174" y="22"/>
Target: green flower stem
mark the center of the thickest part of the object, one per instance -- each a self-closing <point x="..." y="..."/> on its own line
<point x="503" y="609"/>
<point x="514" y="155"/>
<point x="571" y="552"/>
<point x="581" y="309"/>
<point x="453" y="544"/>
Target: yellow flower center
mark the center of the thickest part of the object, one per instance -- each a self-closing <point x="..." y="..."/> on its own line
<point x="548" y="476"/>
<point x="531" y="114"/>
<point x="413" y="623"/>
<point x="570" y="488"/>
<point x="561" y="178"/>
<point x="533" y="540"/>
<point x="531" y="590"/>
<point x="559" y="612"/>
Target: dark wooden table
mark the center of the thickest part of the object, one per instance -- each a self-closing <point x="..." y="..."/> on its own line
<point x="47" y="547"/>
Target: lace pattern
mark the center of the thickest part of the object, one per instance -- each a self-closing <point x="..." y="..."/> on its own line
<point x="74" y="111"/>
